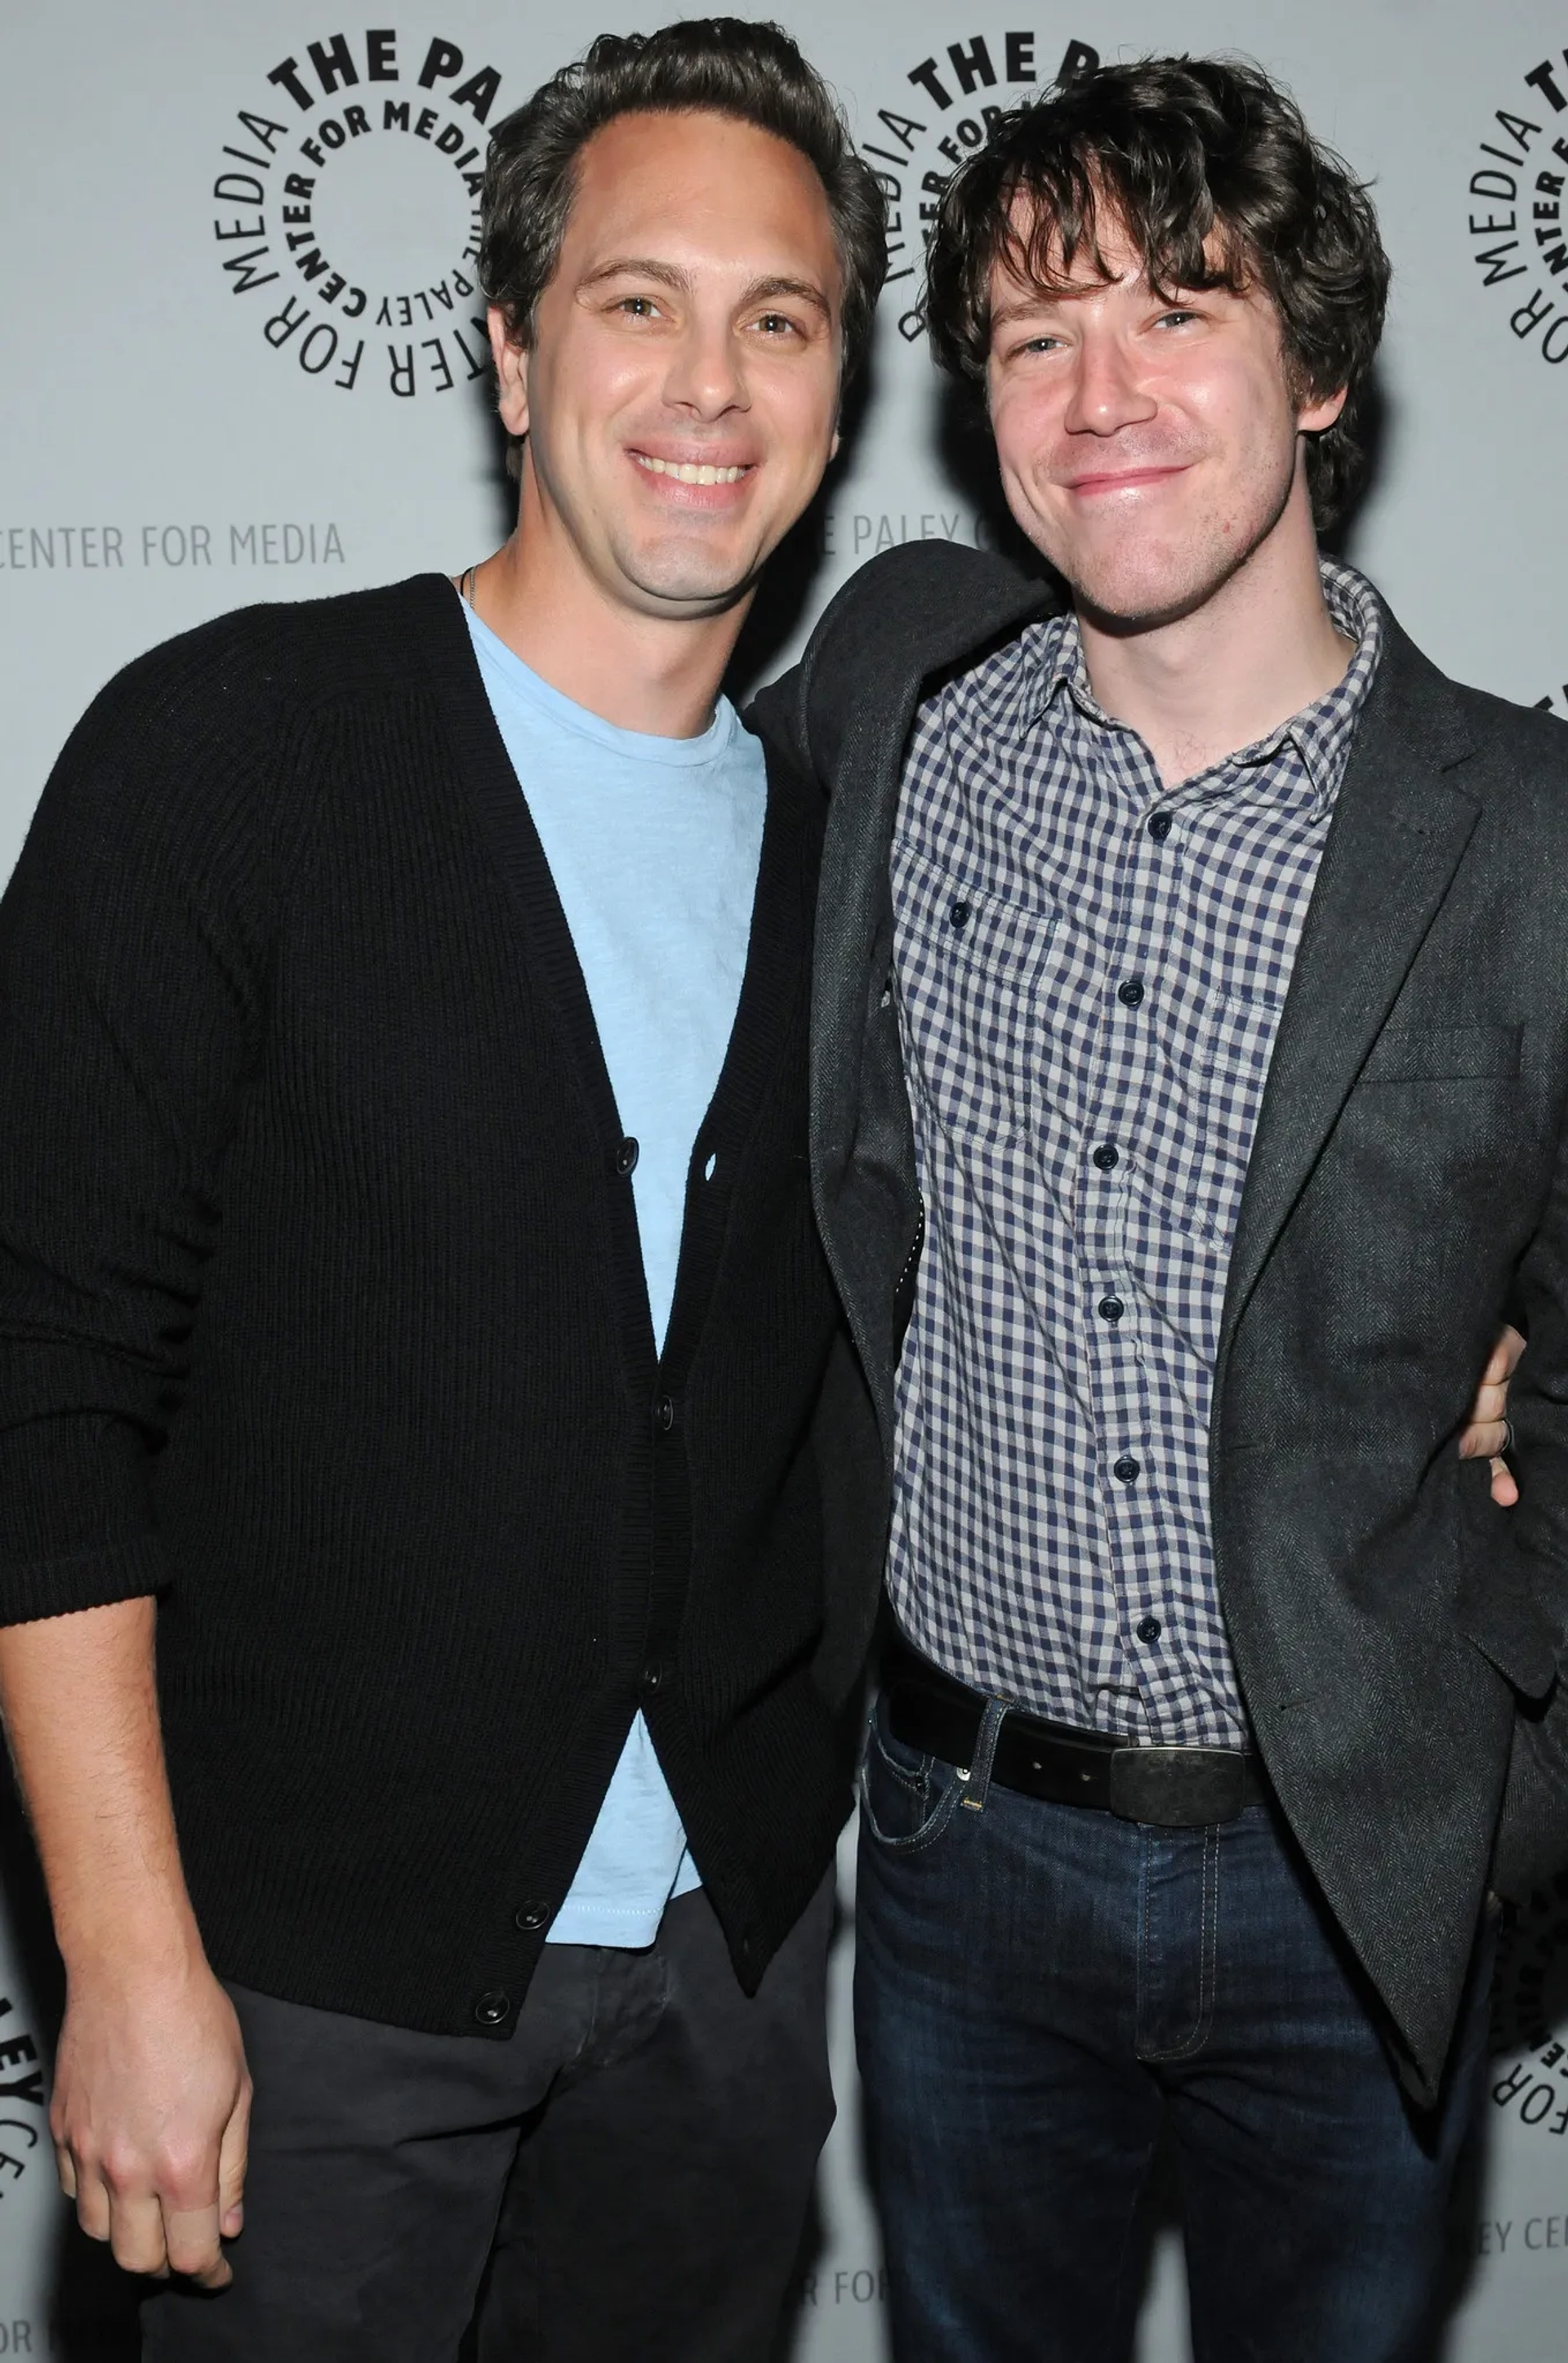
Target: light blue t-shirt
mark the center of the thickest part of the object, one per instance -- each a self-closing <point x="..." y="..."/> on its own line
<point x="654" y="845"/>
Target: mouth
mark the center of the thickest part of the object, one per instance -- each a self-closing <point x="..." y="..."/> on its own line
<point x="692" y="471"/>
<point x="1126" y="480"/>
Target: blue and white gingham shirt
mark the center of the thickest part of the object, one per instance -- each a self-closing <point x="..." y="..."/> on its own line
<point x="1090" y="969"/>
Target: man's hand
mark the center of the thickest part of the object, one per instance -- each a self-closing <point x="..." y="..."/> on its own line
<point x="1487" y="1436"/>
<point x="149" y="2120"/>
<point x="152" y="2107"/>
<point x="151" y="2114"/>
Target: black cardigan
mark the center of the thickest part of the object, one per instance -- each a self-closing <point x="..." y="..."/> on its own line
<point x="322" y="1315"/>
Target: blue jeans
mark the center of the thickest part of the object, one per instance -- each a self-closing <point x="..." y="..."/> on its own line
<point x="1042" y="1991"/>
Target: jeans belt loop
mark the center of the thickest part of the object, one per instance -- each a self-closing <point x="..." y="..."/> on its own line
<point x="976" y="1779"/>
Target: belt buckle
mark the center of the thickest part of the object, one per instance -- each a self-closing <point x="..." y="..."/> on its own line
<point x="1176" y="1788"/>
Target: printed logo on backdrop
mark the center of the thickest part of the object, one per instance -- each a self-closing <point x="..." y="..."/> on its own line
<point x="948" y="104"/>
<point x="349" y="211"/>
<point x="1529" y="2018"/>
<point x="941" y="112"/>
<point x="22" y="2104"/>
<point x="1518" y="214"/>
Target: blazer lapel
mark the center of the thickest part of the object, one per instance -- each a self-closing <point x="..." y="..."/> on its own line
<point x="1398" y="831"/>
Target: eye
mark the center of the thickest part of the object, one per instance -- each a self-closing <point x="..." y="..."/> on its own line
<point x="1176" y="317"/>
<point x="637" y="307"/>
<point x="778" y="324"/>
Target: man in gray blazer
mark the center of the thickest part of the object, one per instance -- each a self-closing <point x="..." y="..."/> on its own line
<point x="1191" y="1056"/>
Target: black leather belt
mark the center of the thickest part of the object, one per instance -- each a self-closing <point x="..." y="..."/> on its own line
<point x="1173" y="1788"/>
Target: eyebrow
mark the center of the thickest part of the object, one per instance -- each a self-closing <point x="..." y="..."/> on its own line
<point x="668" y="274"/>
<point x="802" y="288"/>
<point x="1031" y="306"/>
<point x="637" y="266"/>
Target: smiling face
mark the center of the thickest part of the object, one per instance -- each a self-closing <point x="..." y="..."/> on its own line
<point x="1149" y="447"/>
<point x="680" y="393"/>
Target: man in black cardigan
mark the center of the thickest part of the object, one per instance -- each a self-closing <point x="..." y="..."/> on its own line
<point x="1190" y="1055"/>
<point x="464" y="1448"/>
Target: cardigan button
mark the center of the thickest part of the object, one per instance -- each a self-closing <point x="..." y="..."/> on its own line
<point x="626" y="1157"/>
<point x="664" y="1414"/>
<point x="655" y="1676"/>
<point x="531" y="1916"/>
<point x="493" y="2008"/>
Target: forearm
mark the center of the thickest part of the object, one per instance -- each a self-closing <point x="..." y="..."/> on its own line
<point x="79" y="1702"/>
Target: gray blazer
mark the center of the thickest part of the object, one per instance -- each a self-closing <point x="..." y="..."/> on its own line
<point x="1399" y="1639"/>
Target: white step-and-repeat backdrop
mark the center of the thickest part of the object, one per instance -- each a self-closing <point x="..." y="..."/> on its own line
<point x="244" y="359"/>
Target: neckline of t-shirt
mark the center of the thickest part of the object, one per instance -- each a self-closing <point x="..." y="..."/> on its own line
<point x="554" y="705"/>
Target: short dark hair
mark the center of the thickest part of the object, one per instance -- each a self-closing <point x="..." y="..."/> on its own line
<point x="713" y="65"/>
<point x="1176" y="150"/>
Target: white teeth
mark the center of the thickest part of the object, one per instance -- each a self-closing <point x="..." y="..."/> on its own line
<point x="686" y="473"/>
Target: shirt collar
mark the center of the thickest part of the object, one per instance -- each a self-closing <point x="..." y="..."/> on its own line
<point x="1321" y="733"/>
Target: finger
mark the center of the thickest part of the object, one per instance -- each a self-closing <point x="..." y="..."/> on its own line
<point x="65" y="2167"/>
<point x="232" y="2159"/>
<point x="94" y="2210"/>
<point x="1505" y="1485"/>
<point x="136" y="2234"/>
<point x="191" y="2235"/>
<point x="1504" y="1356"/>
<point x="1491" y="1403"/>
<point x="1484" y="1440"/>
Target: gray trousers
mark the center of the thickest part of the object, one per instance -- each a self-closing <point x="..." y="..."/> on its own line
<point x="627" y="2176"/>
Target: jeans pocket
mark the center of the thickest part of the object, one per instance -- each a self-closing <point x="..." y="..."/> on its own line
<point x="907" y="1799"/>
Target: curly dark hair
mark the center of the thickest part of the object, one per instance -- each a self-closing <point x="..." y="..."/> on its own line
<point x="713" y="65"/>
<point x="1207" y="168"/>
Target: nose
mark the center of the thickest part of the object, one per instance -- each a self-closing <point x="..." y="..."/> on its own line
<point x="707" y="372"/>
<point x="1106" y="394"/>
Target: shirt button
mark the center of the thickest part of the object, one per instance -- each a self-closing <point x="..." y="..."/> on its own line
<point x="960" y="917"/>
<point x="494" y="2008"/>
<point x="1130" y="993"/>
<point x="1148" y="1628"/>
<point x="1111" y="1308"/>
<point x="1107" y="1157"/>
<point x="664" y="1414"/>
<point x="531" y="1916"/>
<point x="626" y="1157"/>
<point x="1126" y="1470"/>
<point x="1159" y="827"/>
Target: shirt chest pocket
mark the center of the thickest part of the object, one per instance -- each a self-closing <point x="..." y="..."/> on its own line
<point x="971" y="968"/>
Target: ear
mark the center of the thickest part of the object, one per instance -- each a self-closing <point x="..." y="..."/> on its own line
<point x="1313" y="416"/>
<point x="510" y="373"/>
<point x="832" y="446"/>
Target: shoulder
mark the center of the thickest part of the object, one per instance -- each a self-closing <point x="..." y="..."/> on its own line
<point x="1528" y="738"/>
<point x="260" y="665"/>
<point x="1495" y="751"/>
<point x="913" y="611"/>
<point x="924" y="591"/>
<point x="199" y="754"/>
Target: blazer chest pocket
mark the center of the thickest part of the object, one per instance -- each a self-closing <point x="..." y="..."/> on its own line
<point x="1444" y="1054"/>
